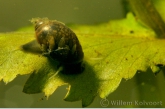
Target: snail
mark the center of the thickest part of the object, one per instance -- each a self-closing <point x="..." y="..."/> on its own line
<point x="59" y="42"/>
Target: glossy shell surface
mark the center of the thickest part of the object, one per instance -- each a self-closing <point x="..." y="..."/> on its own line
<point x="58" y="41"/>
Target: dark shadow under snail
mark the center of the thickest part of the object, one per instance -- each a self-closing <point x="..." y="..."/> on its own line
<point x="57" y="41"/>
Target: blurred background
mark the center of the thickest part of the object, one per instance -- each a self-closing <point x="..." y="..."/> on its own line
<point x="15" y="14"/>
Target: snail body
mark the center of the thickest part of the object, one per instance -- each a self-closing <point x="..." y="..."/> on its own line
<point x="58" y="41"/>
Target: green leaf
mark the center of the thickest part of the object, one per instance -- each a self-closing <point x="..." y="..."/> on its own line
<point x="113" y="51"/>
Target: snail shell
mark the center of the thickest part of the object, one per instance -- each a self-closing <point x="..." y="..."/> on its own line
<point x="58" y="41"/>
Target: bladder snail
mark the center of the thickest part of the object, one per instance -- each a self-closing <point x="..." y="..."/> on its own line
<point x="58" y="41"/>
